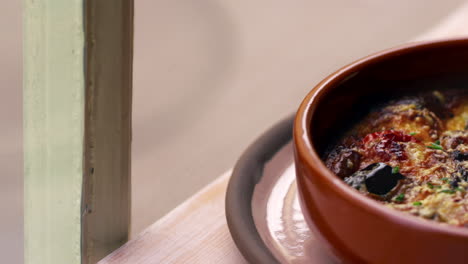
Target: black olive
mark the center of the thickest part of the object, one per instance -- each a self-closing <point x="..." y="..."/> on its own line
<point x="460" y="156"/>
<point x="436" y="105"/>
<point x="378" y="178"/>
<point x="463" y="172"/>
<point x="454" y="182"/>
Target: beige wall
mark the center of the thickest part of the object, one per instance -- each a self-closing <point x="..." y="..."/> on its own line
<point x="11" y="163"/>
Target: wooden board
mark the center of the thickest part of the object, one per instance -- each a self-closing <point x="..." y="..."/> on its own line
<point x="195" y="232"/>
<point x="106" y="190"/>
<point x="77" y="128"/>
<point x="53" y="130"/>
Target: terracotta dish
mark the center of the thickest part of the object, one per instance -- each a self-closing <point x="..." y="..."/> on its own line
<point x="356" y="228"/>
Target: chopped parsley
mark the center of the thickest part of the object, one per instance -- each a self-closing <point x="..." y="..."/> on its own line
<point x="447" y="191"/>
<point x="400" y="197"/>
<point x="445" y="179"/>
<point x="396" y="170"/>
<point x="459" y="189"/>
<point x="418" y="203"/>
<point x="435" y="146"/>
<point x="432" y="186"/>
<point x="413" y="133"/>
<point x="438" y="142"/>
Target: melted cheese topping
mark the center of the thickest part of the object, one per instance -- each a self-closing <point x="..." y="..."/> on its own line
<point x="427" y="140"/>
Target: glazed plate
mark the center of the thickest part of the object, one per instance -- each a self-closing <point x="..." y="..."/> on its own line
<point x="262" y="206"/>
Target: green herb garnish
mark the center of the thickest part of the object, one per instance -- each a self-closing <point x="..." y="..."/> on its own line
<point x="418" y="203"/>
<point x="445" y="179"/>
<point x="396" y="170"/>
<point x="435" y="146"/>
<point x="413" y="133"/>
<point x="430" y="185"/>
<point x="447" y="191"/>
<point x="438" y="142"/>
<point x="400" y="197"/>
<point x="460" y="189"/>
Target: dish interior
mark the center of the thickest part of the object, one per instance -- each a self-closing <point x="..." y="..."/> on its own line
<point x="352" y="96"/>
